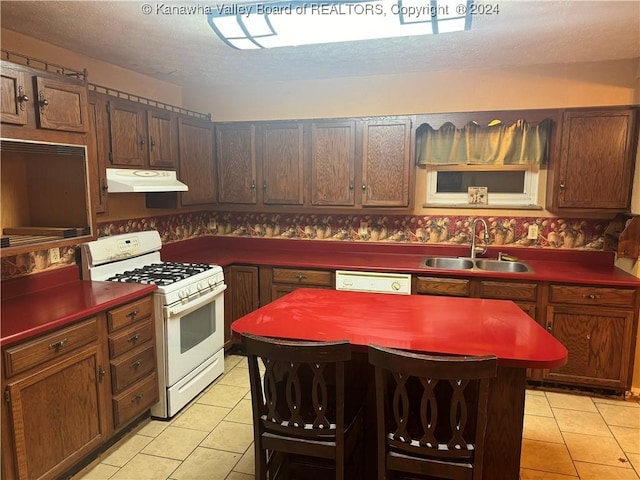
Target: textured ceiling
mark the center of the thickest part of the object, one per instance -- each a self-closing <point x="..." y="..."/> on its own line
<point x="181" y="49"/>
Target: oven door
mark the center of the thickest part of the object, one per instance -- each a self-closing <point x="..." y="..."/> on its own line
<point x="194" y="331"/>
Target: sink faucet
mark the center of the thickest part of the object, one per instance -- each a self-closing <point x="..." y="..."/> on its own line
<point x="474" y="226"/>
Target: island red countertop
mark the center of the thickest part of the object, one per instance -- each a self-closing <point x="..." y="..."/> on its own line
<point x="448" y="325"/>
<point x="34" y="313"/>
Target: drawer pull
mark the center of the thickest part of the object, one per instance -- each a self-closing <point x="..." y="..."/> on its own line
<point x="137" y="398"/>
<point x="134" y="338"/>
<point x="591" y="296"/>
<point x="136" y="365"/>
<point x="132" y="314"/>
<point x="58" y="345"/>
<point x="301" y="277"/>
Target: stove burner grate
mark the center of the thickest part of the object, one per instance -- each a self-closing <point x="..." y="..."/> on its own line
<point x="161" y="274"/>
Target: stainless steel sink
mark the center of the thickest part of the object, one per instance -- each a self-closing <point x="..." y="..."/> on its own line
<point x="460" y="263"/>
<point x="450" y="263"/>
<point x="502" y="266"/>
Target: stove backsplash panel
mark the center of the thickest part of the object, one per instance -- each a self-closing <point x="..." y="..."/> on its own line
<point x="555" y="233"/>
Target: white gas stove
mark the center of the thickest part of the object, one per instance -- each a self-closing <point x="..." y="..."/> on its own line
<point x="188" y="309"/>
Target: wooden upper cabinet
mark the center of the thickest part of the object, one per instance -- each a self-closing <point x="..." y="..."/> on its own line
<point x="282" y="163"/>
<point x="14" y="96"/>
<point x="236" y="161"/>
<point x="163" y="139"/>
<point x="596" y="160"/>
<point x="197" y="168"/>
<point x="386" y="163"/>
<point x="61" y="105"/>
<point x="333" y="163"/>
<point x="127" y="134"/>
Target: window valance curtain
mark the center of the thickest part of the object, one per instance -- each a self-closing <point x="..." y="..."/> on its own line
<point x="496" y="144"/>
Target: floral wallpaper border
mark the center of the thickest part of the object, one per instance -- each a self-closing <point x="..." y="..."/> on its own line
<point x="584" y="234"/>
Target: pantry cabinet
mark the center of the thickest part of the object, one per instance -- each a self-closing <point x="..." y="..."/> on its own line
<point x="596" y="161"/>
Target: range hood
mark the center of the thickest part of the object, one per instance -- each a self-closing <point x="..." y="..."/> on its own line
<point x="120" y="180"/>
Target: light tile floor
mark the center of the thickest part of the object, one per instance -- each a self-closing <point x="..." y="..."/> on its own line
<point x="566" y="436"/>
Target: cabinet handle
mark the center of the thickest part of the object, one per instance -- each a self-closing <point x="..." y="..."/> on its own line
<point x="364" y="187"/>
<point x="253" y="185"/>
<point x="152" y="142"/>
<point x="142" y="142"/>
<point x="58" y="345"/>
<point x="562" y="184"/>
<point x="132" y="314"/>
<point x="42" y="101"/>
<point x="101" y="373"/>
<point x="134" y="338"/>
<point x="136" y="365"/>
<point x="591" y="296"/>
<point x="301" y="277"/>
<point x="137" y="398"/>
<point x="264" y="185"/>
<point x="105" y="186"/>
<point x="22" y="97"/>
<point x="549" y="327"/>
<point x="351" y="185"/>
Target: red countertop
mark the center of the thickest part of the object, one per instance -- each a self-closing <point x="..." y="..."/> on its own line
<point x="53" y="306"/>
<point x="568" y="266"/>
<point x="448" y="325"/>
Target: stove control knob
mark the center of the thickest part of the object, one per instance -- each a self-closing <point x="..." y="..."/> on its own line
<point x="212" y="281"/>
<point x="182" y="294"/>
<point x="202" y="286"/>
<point x="395" y="286"/>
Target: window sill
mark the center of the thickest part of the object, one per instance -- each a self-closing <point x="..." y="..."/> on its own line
<point x="482" y="207"/>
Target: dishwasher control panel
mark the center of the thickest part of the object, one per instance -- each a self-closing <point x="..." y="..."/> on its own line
<point x="355" y="281"/>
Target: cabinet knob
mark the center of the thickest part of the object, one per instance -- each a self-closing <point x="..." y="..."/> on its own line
<point x="562" y="184"/>
<point x="549" y="327"/>
<point x="152" y="142"/>
<point x="42" y="101"/>
<point x="22" y="97"/>
<point x="364" y="187"/>
<point x="253" y="184"/>
<point x="264" y="185"/>
<point x="351" y="185"/>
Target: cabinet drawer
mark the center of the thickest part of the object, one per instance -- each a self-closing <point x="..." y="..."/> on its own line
<point x="130" y="367"/>
<point x="54" y="345"/>
<point x="130" y="338"/>
<point x="131" y="312"/>
<point x="509" y="290"/>
<point x="135" y="400"/>
<point x="618" y="297"/>
<point x="303" y="277"/>
<point x="457" y="287"/>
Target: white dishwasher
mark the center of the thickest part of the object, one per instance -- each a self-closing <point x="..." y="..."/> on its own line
<point x="354" y="281"/>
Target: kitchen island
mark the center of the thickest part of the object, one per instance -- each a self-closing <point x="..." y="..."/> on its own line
<point x="446" y="325"/>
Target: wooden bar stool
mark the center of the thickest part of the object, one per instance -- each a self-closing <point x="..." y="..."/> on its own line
<point x="304" y="419"/>
<point x="431" y="413"/>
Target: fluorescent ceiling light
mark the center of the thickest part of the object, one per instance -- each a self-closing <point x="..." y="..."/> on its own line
<point x="288" y="23"/>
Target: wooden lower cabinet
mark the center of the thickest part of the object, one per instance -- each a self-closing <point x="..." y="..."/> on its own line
<point x="59" y="404"/>
<point x="240" y="297"/>
<point x="277" y="282"/>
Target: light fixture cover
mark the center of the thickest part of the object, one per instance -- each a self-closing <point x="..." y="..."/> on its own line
<point x="289" y="23"/>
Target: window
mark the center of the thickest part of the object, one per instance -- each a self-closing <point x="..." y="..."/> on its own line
<point x="513" y="186"/>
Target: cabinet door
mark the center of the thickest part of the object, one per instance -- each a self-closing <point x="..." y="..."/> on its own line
<point x="98" y="150"/>
<point x="282" y="164"/>
<point x="61" y="106"/>
<point x="197" y="168"/>
<point x="236" y="160"/>
<point x="333" y="159"/>
<point x="163" y="139"/>
<point x="127" y="134"/>
<point x="14" y="96"/>
<point x="596" y="161"/>
<point x="386" y="163"/>
<point x="599" y="345"/>
<point x="56" y="415"/>
<point x="240" y="297"/>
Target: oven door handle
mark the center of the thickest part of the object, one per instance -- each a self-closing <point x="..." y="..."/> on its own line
<point x="186" y="306"/>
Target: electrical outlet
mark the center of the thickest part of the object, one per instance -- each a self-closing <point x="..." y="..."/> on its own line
<point x="533" y="232"/>
<point x="54" y="255"/>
